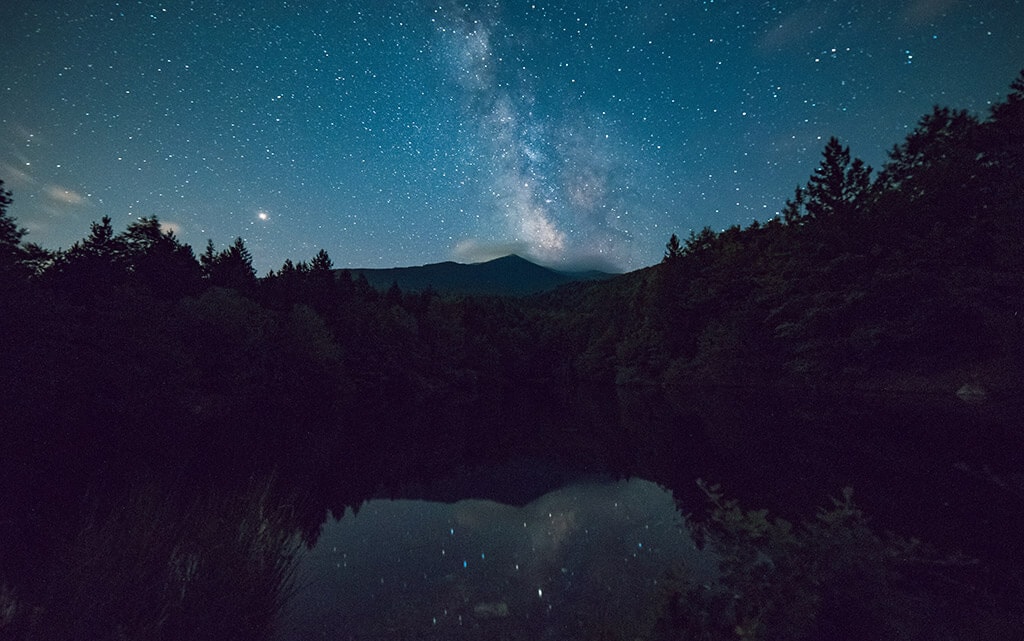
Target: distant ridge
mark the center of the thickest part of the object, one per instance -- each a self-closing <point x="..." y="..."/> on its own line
<point x="510" y="275"/>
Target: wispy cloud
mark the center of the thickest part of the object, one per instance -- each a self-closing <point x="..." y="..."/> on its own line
<point x="13" y="174"/>
<point x="922" y="12"/>
<point x="472" y="250"/>
<point x="63" y="195"/>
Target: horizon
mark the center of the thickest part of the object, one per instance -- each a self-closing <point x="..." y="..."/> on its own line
<point x="422" y="133"/>
<point x="491" y="260"/>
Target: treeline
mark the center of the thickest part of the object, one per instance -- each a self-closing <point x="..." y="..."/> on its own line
<point x="143" y="387"/>
<point x="130" y="362"/>
<point x="884" y="307"/>
<point x="823" y="347"/>
<point x="914" y="271"/>
<point x="128" y="355"/>
<point x="870" y="335"/>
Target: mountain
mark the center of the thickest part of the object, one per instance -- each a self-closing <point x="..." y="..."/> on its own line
<point x="510" y="275"/>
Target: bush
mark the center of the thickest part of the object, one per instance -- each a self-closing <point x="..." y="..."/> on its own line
<point x="832" y="577"/>
<point x="220" y="567"/>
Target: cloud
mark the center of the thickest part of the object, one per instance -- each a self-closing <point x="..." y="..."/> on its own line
<point x="472" y="250"/>
<point x="817" y="22"/>
<point x="796" y="27"/>
<point x="13" y="174"/>
<point x="64" y="195"/>
<point x="168" y="226"/>
<point x="923" y="12"/>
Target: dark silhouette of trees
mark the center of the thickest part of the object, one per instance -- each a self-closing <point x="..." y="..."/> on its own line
<point x="793" y="209"/>
<point x="699" y="242"/>
<point x="673" y="249"/>
<point x="1004" y="137"/>
<point x="231" y="267"/>
<point x="314" y="283"/>
<point x="157" y="259"/>
<point x="1003" y="159"/>
<point x="16" y="260"/>
<point x="321" y="263"/>
<point x="941" y="141"/>
<point x="208" y="259"/>
<point x="393" y="296"/>
<point x="101" y="243"/>
<point x="838" y="186"/>
<point x="144" y="255"/>
<point x="10" y="233"/>
<point x="94" y="264"/>
<point x="766" y="352"/>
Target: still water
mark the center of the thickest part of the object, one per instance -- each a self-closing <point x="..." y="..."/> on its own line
<point x="577" y="561"/>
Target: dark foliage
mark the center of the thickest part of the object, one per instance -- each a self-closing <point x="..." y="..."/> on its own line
<point x="871" y="335"/>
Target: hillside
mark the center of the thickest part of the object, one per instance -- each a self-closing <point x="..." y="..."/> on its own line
<point x="509" y="276"/>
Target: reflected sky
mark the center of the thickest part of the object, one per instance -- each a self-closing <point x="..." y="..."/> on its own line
<point x="579" y="558"/>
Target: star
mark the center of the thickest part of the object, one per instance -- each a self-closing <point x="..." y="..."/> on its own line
<point x="545" y="126"/>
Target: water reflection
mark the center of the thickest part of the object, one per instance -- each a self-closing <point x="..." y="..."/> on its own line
<point x="581" y="558"/>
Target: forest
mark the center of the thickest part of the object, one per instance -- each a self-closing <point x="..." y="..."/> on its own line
<point x="176" y="429"/>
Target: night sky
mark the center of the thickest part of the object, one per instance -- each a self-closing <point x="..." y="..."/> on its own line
<point x="404" y="133"/>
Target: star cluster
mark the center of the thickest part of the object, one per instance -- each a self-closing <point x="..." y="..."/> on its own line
<point x="412" y="132"/>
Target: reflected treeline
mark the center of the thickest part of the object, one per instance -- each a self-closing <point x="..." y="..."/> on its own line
<point x="870" y="335"/>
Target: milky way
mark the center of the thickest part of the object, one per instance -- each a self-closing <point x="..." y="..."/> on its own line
<point x="404" y="133"/>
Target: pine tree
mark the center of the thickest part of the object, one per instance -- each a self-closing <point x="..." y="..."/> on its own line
<point x="838" y="186"/>
<point x="792" y="212"/>
<point x="208" y="260"/>
<point x="231" y="267"/>
<point x="235" y="266"/>
<point x="1011" y="110"/>
<point x="239" y="254"/>
<point x="96" y="260"/>
<point x="101" y="243"/>
<point x="701" y="242"/>
<point x="393" y="296"/>
<point x="1004" y="137"/>
<point x="10" y="233"/>
<point x="922" y="163"/>
<point x="321" y="263"/>
<point x="11" y="251"/>
<point x="155" y="257"/>
<point x="142" y="236"/>
<point x="673" y="250"/>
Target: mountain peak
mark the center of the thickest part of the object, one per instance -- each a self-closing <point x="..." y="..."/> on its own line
<point x="516" y="257"/>
<point x="509" y="259"/>
<point x="510" y="275"/>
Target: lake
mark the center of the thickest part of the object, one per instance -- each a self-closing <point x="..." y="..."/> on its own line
<point x="585" y="558"/>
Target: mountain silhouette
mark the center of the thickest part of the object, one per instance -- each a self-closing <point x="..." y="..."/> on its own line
<point x="510" y="275"/>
